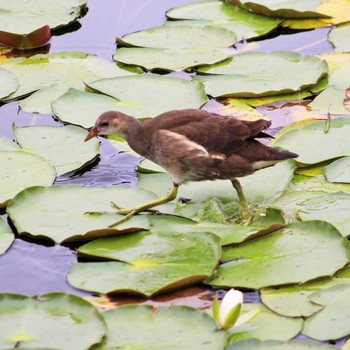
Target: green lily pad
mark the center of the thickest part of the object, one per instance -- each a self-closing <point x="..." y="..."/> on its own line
<point x="330" y="207"/>
<point x="155" y="94"/>
<point x="70" y="69"/>
<point x="83" y="108"/>
<point x="23" y="17"/>
<point x="284" y="9"/>
<point x="6" y="236"/>
<point x="264" y="324"/>
<point x="55" y="144"/>
<point x="219" y="13"/>
<point x="7" y="145"/>
<point x="254" y="344"/>
<point x="338" y="171"/>
<point x="294" y="301"/>
<point x="59" y="212"/>
<point x="148" y="263"/>
<point x="181" y="37"/>
<point x="332" y="321"/>
<point x="284" y="72"/>
<point x="284" y="257"/>
<point x="146" y="327"/>
<point x="338" y="36"/>
<point x="313" y="144"/>
<point x="171" y="59"/>
<point x="19" y="170"/>
<point x="39" y="322"/>
<point x="9" y="83"/>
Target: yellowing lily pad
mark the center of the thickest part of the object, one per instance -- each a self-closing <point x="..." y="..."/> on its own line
<point x="147" y="327"/>
<point x="284" y="257"/>
<point x="60" y="212"/>
<point x="149" y="263"/>
<point x="38" y="322"/>
<point x="19" y="170"/>
<point x="55" y="144"/>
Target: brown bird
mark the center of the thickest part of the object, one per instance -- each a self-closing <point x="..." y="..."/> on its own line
<point x="194" y="145"/>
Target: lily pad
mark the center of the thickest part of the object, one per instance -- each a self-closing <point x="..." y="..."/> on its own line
<point x="39" y="322"/>
<point x="338" y="36"/>
<point x="330" y="207"/>
<point x="181" y="37"/>
<point x="338" y="171"/>
<point x="23" y="17"/>
<point x="147" y="327"/>
<point x="149" y="263"/>
<point x="312" y="143"/>
<point x="7" y="145"/>
<point x="294" y="301"/>
<point x="290" y="255"/>
<point x="9" y="83"/>
<point x="284" y="9"/>
<point x="70" y="69"/>
<point x="171" y="59"/>
<point x="254" y="344"/>
<point x="332" y="321"/>
<point x="59" y="212"/>
<point x="264" y="324"/>
<point x="219" y="13"/>
<point x="155" y="94"/>
<point x="6" y="236"/>
<point x="19" y="170"/>
<point x="55" y="144"/>
<point x="284" y="72"/>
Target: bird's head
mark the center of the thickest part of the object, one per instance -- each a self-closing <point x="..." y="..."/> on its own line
<point x="108" y="123"/>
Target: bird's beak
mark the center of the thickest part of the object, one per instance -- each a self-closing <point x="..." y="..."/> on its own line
<point x="92" y="133"/>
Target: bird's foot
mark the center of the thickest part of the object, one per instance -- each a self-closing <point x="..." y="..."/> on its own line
<point x="121" y="210"/>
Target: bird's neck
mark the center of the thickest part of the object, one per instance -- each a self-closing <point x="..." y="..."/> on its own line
<point x="134" y="133"/>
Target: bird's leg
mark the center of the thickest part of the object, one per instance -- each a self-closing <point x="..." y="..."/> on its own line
<point x="246" y="213"/>
<point x="143" y="207"/>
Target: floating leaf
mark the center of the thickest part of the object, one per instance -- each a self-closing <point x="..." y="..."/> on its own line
<point x="284" y="9"/>
<point x="312" y="142"/>
<point x="9" y="83"/>
<point x="70" y="69"/>
<point x="59" y="212"/>
<point x="284" y="72"/>
<point x="181" y="37"/>
<point x="6" y="236"/>
<point x="19" y="170"/>
<point x="150" y="262"/>
<point x="170" y="59"/>
<point x="290" y="255"/>
<point x="263" y="326"/>
<point x="23" y="17"/>
<point x="332" y="207"/>
<point x="294" y="301"/>
<point x="218" y="13"/>
<point x="332" y="321"/>
<point x="146" y="327"/>
<point x="338" y="36"/>
<point x="338" y="171"/>
<point x="7" y="145"/>
<point x="254" y="344"/>
<point x="39" y="322"/>
<point x="155" y="94"/>
<point x="55" y="144"/>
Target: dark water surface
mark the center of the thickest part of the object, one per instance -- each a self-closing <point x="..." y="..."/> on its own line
<point x="30" y="268"/>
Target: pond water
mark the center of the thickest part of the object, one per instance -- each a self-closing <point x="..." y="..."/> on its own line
<point x="33" y="267"/>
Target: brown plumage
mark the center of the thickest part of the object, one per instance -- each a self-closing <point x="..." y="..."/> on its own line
<point x="194" y="145"/>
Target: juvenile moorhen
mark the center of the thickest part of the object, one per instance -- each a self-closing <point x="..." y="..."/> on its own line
<point x="194" y="145"/>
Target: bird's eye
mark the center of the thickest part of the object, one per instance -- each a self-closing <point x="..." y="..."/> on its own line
<point x="105" y="123"/>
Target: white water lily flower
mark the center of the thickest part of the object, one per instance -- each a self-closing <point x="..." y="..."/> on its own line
<point x="227" y="313"/>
